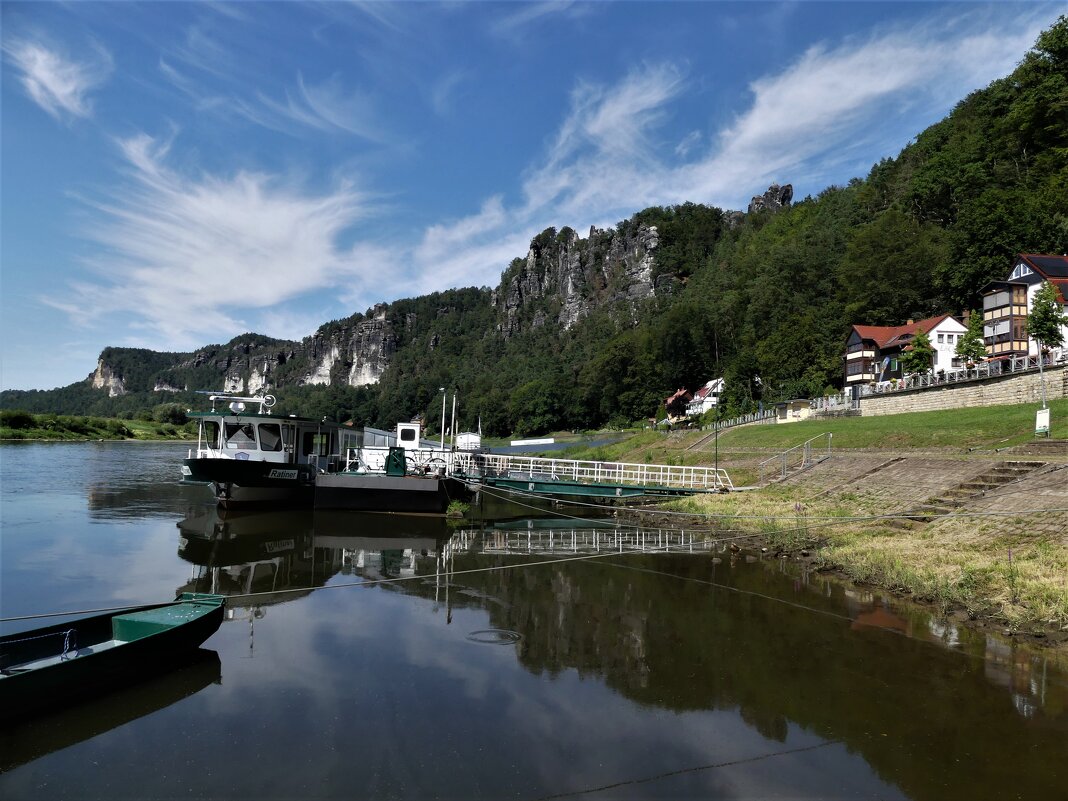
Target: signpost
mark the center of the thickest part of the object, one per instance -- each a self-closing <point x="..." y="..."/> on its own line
<point x="1042" y="423"/>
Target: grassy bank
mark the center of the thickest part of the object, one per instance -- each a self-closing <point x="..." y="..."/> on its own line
<point x="74" y="428"/>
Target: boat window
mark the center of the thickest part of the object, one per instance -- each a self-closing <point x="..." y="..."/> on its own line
<point x="210" y="433"/>
<point x="407" y="435"/>
<point x="240" y="435"/>
<point x="270" y="437"/>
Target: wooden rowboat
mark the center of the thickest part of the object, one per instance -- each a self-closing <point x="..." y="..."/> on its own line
<point x="78" y="660"/>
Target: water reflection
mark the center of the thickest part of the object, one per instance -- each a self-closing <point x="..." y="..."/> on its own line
<point x="35" y="738"/>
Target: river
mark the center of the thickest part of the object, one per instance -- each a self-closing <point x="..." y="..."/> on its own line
<point x="388" y="657"/>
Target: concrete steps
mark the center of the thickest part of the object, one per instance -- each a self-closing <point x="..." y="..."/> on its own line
<point x="953" y="499"/>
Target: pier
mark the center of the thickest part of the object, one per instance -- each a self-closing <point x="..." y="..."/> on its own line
<point x="576" y="477"/>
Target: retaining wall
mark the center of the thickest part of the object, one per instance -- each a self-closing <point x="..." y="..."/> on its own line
<point x="997" y="391"/>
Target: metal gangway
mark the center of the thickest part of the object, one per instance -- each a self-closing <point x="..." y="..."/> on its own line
<point x="678" y="477"/>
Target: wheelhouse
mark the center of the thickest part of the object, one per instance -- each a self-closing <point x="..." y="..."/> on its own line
<point x="262" y="437"/>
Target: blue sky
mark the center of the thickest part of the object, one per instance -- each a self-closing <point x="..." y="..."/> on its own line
<point x="174" y="174"/>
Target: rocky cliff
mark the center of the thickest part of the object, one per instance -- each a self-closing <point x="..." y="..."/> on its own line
<point x="563" y="278"/>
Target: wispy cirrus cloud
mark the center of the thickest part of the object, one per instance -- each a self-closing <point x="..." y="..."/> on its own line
<point x="189" y="255"/>
<point x="521" y="16"/>
<point x="171" y="245"/>
<point x="327" y="107"/>
<point x="615" y="151"/>
<point x="58" y="84"/>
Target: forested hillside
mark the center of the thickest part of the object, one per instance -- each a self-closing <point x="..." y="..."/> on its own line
<point x="764" y="300"/>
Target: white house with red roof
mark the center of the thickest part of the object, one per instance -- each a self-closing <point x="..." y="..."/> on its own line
<point x="706" y="398"/>
<point x="873" y="352"/>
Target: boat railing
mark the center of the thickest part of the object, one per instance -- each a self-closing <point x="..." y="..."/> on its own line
<point x="489" y="465"/>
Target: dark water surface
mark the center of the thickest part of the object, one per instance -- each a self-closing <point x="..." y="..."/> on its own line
<point x="483" y="666"/>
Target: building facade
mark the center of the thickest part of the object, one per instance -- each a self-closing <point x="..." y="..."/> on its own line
<point x="1007" y="303"/>
<point x="873" y="352"/>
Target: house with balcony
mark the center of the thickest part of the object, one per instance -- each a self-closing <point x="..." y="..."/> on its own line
<point x="873" y="352"/>
<point x="1007" y="303"/>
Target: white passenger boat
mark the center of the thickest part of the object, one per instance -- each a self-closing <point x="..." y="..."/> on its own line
<point x="251" y="456"/>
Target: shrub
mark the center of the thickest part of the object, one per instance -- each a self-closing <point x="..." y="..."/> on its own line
<point x="16" y="418"/>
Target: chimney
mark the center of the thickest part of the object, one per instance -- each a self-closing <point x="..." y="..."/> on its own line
<point x="910" y="322"/>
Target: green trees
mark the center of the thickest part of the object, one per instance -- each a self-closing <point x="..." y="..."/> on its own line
<point x="970" y="346"/>
<point x="1046" y="318"/>
<point x="918" y="357"/>
<point x="765" y="300"/>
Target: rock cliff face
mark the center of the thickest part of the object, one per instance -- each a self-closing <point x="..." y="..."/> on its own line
<point x="355" y="352"/>
<point x="777" y="197"/>
<point x="564" y="278"/>
<point x="106" y="377"/>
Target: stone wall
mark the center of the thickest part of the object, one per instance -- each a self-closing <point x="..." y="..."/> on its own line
<point x="1002" y="390"/>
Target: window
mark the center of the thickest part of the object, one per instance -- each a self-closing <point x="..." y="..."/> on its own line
<point x="316" y="443"/>
<point x="996" y="299"/>
<point x="941" y="339"/>
<point x="407" y="435"/>
<point x="270" y="437"/>
<point x="240" y="436"/>
<point x="210" y="432"/>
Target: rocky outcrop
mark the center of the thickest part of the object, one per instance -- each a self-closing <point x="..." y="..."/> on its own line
<point x="355" y="352"/>
<point x="564" y="278"/>
<point x="777" y="197"/>
<point x="107" y="378"/>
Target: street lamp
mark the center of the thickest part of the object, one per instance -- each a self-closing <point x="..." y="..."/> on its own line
<point x="442" y="391"/>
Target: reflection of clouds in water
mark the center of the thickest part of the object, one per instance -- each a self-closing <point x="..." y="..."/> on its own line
<point x="85" y="567"/>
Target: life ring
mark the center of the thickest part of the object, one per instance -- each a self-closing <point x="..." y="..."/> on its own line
<point x="268" y="401"/>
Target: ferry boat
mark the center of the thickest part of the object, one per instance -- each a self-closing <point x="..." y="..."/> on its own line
<point x="250" y="456"/>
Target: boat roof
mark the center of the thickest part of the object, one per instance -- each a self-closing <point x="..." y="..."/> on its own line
<point x="292" y="418"/>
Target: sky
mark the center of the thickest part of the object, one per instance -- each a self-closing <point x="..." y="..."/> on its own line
<point x="175" y="174"/>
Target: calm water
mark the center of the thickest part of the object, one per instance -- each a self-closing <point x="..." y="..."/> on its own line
<point x="484" y="668"/>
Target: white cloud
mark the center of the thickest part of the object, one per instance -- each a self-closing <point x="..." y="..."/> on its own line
<point x="324" y="107"/>
<point x="613" y="153"/>
<point x="832" y="98"/>
<point x="56" y="83"/>
<point x="444" y="91"/>
<point x="529" y="14"/>
<point x="186" y="255"/>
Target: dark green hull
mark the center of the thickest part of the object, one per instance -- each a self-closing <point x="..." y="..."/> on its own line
<point x="252" y="483"/>
<point x="85" y="673"/>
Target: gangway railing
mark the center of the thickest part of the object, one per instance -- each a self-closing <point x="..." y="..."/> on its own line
<point x="804" y="455"/>
<point x="492" y="465"/>
<point x="584" y="540"/>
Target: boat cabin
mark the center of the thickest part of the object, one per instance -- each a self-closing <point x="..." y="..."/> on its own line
<point x="259" y="436"/>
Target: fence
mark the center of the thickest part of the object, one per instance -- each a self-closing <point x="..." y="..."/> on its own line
<point x="803" y="455"/>
<point x="477" y="465"/>
<point x="980" y="372"/>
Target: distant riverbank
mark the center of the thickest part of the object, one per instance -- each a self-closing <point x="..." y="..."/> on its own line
<point x="24" y="426"/>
